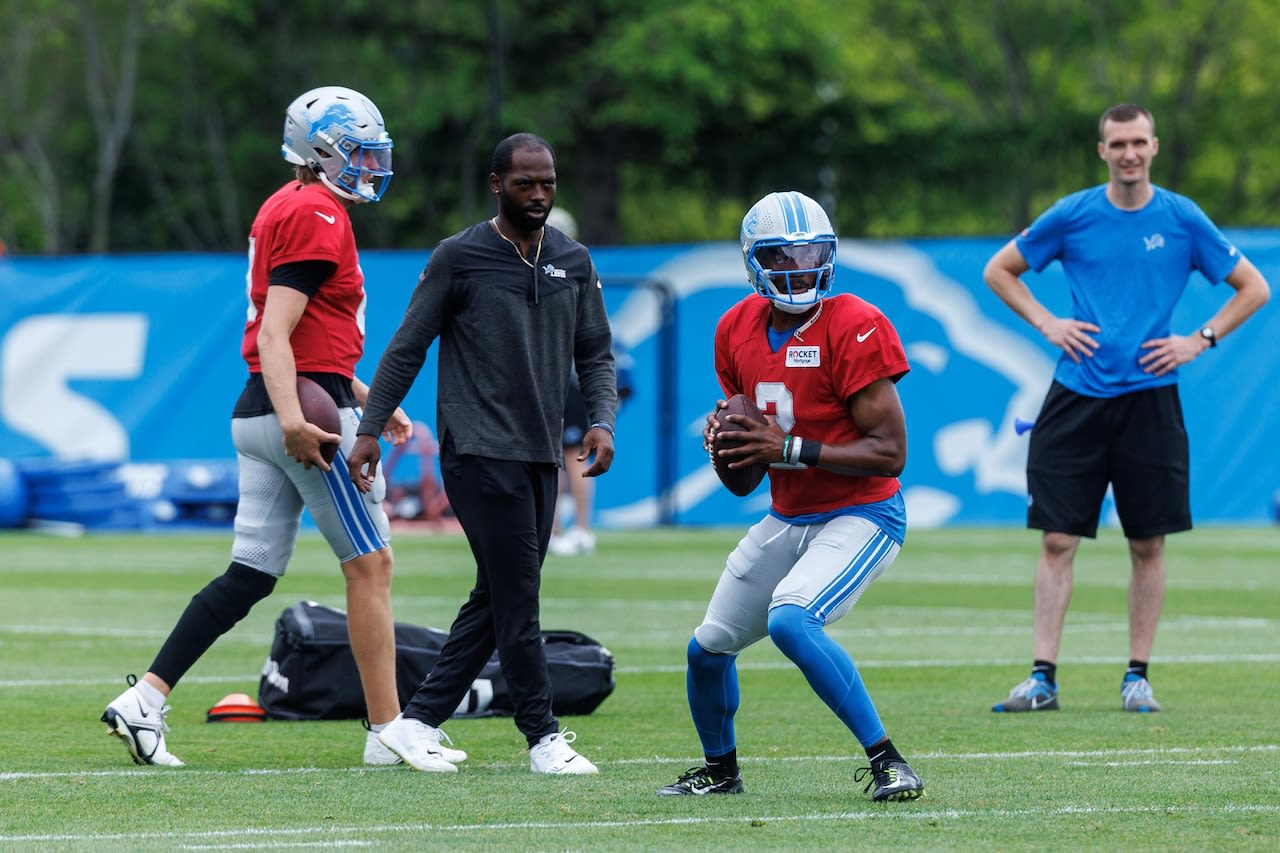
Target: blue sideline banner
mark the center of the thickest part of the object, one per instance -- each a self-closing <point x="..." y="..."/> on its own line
<point x="137" y="358"/>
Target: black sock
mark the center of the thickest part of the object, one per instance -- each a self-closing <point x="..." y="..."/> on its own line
<point x="723" y="766"/>
<point x="883" y="752"/>
<point x="1138" y="668"/>
<point x="1049" y="668"/>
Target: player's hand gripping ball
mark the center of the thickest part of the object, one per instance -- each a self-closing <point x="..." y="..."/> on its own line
<point x="320" y="410"/>
<point x="741" y="481"/>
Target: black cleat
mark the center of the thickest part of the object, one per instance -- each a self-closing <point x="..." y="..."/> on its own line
<point x="893" y="780"/>
<point x="698" y="781"/>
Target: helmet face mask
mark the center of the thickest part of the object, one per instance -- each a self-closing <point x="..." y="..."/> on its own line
<point x="339" y="134"/>
<point x="789" y="249"/>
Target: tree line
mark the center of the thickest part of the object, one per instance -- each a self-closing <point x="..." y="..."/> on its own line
<point x="154" y="125"/>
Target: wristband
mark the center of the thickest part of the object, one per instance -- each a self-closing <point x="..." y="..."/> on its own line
<point x="602" y="425"/>
<point x="809" y="453"/>
<point x="786" y="448"/>
<point x="797" y="447"/>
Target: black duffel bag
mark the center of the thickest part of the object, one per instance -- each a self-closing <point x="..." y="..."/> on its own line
<point x="311" y="673"/>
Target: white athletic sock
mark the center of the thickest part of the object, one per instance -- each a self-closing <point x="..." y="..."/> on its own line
<point x="153" y="697"/>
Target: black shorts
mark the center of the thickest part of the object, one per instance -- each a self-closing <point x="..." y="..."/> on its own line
<point x="575" y="417"/>
<point x="1136" y="442"/>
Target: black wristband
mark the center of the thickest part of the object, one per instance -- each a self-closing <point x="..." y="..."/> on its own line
<point x="809" y="451"/>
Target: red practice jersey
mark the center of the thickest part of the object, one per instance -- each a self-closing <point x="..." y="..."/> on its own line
<point x="807" y="385"/>
<point x="305" y="222"/>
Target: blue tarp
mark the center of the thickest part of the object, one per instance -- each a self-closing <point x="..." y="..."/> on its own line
<point x="137" y="358"/>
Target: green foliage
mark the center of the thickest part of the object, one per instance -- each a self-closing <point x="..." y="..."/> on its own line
<point x="906" y="117"/>
<point x="944" y="634"/>
<point x="692" y="208"/>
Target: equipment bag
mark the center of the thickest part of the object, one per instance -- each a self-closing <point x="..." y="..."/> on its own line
<point x="311" y="673"/>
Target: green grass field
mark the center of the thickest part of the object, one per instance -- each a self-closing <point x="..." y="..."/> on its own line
<point x="940" y="638"/>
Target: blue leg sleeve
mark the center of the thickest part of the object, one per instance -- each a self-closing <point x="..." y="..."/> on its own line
<point x="830" y="671"/>
<point x="712" y="684"/>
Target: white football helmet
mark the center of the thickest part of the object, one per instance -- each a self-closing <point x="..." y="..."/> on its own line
<point x="787" y="237"/>
<point x="338" y="133"/>
<point x="562" y="219"/>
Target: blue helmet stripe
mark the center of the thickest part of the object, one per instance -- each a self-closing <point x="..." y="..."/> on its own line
<point x="794" y="213"/>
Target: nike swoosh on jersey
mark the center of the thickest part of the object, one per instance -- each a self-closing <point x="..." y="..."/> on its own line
<point x="862" y="337"/>
<point x="327" y="217"/>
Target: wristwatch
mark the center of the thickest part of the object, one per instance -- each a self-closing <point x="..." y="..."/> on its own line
<point x="1209" y="335"/>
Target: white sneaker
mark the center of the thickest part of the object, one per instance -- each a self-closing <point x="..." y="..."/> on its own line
<point x="419" y="745"/>
<point x="553" y="754"/>
<point x="377" y="755"/>
<point x="573" y="541"/>
<point x="140" y="726"/>
<point x="1136" y="695"/>
<point x="562" y="544"/>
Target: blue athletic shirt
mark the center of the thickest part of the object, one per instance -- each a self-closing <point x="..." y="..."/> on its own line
<point x="1126" y="270"/>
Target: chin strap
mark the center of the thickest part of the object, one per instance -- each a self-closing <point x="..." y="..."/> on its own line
<point x="341" y="191"/>
<point x="808" y="323"/>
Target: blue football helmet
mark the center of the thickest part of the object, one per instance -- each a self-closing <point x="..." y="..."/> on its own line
<point x="338" y="133"/>
<point x="789" y="248"/>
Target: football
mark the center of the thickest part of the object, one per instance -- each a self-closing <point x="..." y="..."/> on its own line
<point x="320" y="410"/>
<point x="740" y="481"/>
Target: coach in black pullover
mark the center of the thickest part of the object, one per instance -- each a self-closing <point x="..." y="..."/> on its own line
<point x="515" y="305"/>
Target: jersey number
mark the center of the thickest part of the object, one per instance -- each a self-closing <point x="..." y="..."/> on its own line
<point x="773" y="398"/>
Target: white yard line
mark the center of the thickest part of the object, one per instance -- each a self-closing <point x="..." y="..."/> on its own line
<point x="1070" y="757"/>
<point x="259" y="838"/>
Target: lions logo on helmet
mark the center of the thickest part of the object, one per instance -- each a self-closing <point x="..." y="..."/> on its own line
<point x="338" y="133"/>
<point x="789" y="248"/>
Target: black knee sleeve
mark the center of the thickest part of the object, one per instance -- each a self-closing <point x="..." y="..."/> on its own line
<point x="213" y="611"/>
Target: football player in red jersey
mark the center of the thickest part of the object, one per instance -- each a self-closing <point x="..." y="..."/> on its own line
<point x="822" y="368"/>
<point x="306" y="318"/>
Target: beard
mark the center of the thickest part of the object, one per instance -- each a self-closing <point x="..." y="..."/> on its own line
<point x="522" y="217"/>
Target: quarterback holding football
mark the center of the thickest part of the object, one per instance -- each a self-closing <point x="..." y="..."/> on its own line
<point x="303" y="336"/>
<point x="822" y="369"/>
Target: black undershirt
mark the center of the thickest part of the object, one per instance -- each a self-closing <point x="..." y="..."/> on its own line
<point x="306" y="277"/>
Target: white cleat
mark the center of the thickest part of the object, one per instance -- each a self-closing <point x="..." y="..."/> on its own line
<point x="141" y="727"/>
<point x="377" y="755"/>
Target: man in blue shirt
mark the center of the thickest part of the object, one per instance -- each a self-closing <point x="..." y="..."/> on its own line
<point x="1112" y="415"/>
